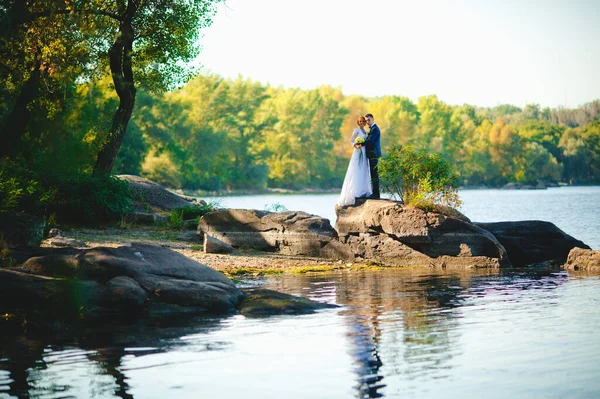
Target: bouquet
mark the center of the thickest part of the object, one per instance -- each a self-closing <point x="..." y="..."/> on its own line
<point x="360" y="141"/>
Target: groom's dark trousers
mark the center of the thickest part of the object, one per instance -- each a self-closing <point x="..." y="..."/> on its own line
<point x="373" y="153"/>
<point x="374" y="176"/>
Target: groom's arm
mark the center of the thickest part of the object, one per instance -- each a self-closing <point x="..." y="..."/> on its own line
<point x="373" y="136"/>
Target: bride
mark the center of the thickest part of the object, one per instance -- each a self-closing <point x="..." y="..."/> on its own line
<point x="357" y="182"/>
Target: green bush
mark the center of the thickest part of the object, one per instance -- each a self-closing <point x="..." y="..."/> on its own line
<point x="419" y="178"/>
<point x="176" y="219"/>
<point x="196" y="211"/>
<point x="75" y="198"/>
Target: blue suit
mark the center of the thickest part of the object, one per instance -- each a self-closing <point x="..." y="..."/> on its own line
<point x="373" y="146"/>
<point x="373" y="143"/>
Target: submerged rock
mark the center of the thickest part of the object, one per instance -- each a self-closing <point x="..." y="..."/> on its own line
<point x="263" y="302"/>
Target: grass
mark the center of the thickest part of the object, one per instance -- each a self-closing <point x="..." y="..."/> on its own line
<point x="300" y="270"/>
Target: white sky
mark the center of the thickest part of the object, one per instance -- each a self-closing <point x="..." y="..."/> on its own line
<point x="480" y="52"/>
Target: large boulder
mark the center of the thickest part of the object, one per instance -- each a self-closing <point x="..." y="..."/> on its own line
<point x="118" y="283"/>
<point x="21" y="230"/>
<point x="583" y="259"/>
<point x="395" y="235"/>
<point x="150" y="195"/>
<point x="290" y="233"/>
<point x="533" y="241"/>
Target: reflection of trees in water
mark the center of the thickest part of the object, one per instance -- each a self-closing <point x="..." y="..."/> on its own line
<point x="27" y="358"/>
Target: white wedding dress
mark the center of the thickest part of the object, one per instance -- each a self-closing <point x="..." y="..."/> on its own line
<point x="357" y="182"/>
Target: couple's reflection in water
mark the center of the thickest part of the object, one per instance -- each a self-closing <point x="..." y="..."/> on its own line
<point x="404" y="324"/>
<point x="401" y="324"/>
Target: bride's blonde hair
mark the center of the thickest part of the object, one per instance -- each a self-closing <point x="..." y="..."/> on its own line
<point x="361" y="118"/>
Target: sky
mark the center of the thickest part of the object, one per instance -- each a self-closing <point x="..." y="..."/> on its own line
<point x="478" y="52"/>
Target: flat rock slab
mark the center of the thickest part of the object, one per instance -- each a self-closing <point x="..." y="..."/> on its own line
<point x="583" y="259"/>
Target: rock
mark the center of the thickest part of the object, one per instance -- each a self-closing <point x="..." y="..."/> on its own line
<point x="54" y="265"/>
<point x="145" y="218"/>
<point x="583" y="259"/>
<point x="263" y="302"/>
<point x="511" y="186"/>
<point x="102" y="282"/>
<point x="149" y="194"/>
<point x="21" y="230"/>
<point x="215" y="246"/>
<point x="54" y="232"/>
<point x="395" y="235"/>
<point x="125" y="293"/>
<point x="541" y="185"/>
<point x="190" y="224"/>
<point x="60" y="241"/>
<point x="533" y="241"/>
<point x="289" y="233"/>
<point x="190" y="236"/>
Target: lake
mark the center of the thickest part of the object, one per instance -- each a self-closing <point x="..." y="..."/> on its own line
<point x="398" y="333"/>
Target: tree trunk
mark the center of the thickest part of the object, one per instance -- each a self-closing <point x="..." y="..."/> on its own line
<point x="122" y="74"/>
<point x="18" y="119"/>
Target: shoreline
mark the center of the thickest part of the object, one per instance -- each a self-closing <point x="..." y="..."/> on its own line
<point x="239" y="263"/>
<point x="307" y="191"/>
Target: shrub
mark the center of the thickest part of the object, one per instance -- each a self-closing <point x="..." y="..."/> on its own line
<point x="419" y="178"/>
<point x="176" y="219"/>
<point x="75" y="198"/>
<point x="196" y="211"/>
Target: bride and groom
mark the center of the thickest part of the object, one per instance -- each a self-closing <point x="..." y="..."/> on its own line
<point x="362" y="179"/>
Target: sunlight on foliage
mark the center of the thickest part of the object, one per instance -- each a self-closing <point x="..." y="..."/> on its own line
<point x="419" y="178"/>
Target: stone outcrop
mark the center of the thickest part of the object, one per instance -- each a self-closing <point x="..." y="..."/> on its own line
<point x="121" y="282"/>
<point x="533" y="241"/>
<point x="387" y="232"/>
<point x="583" y="259"/>
<point x="289" y="233"/>
<point x="150" y="195"/>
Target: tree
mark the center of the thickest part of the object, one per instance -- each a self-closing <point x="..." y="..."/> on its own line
<point x="161" y="36"/>
<point x="42" y="52"/>
<point x="418" y="177"/>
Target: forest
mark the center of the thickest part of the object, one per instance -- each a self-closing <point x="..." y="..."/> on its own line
<point x="101" y="88"/>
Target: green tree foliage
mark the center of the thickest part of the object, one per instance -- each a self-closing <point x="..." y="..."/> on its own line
<point x="418" y="177"/>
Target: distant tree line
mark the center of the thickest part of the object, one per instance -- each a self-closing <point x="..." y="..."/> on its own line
<point x="223" y="134"/>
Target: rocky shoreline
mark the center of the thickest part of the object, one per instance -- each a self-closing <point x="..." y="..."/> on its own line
<point x="147" y="269"/>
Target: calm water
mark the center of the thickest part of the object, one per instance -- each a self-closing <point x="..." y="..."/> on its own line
<point x="398" y="333"/>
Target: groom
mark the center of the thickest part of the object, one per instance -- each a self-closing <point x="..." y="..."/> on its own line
<point x="373" y="153"/>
